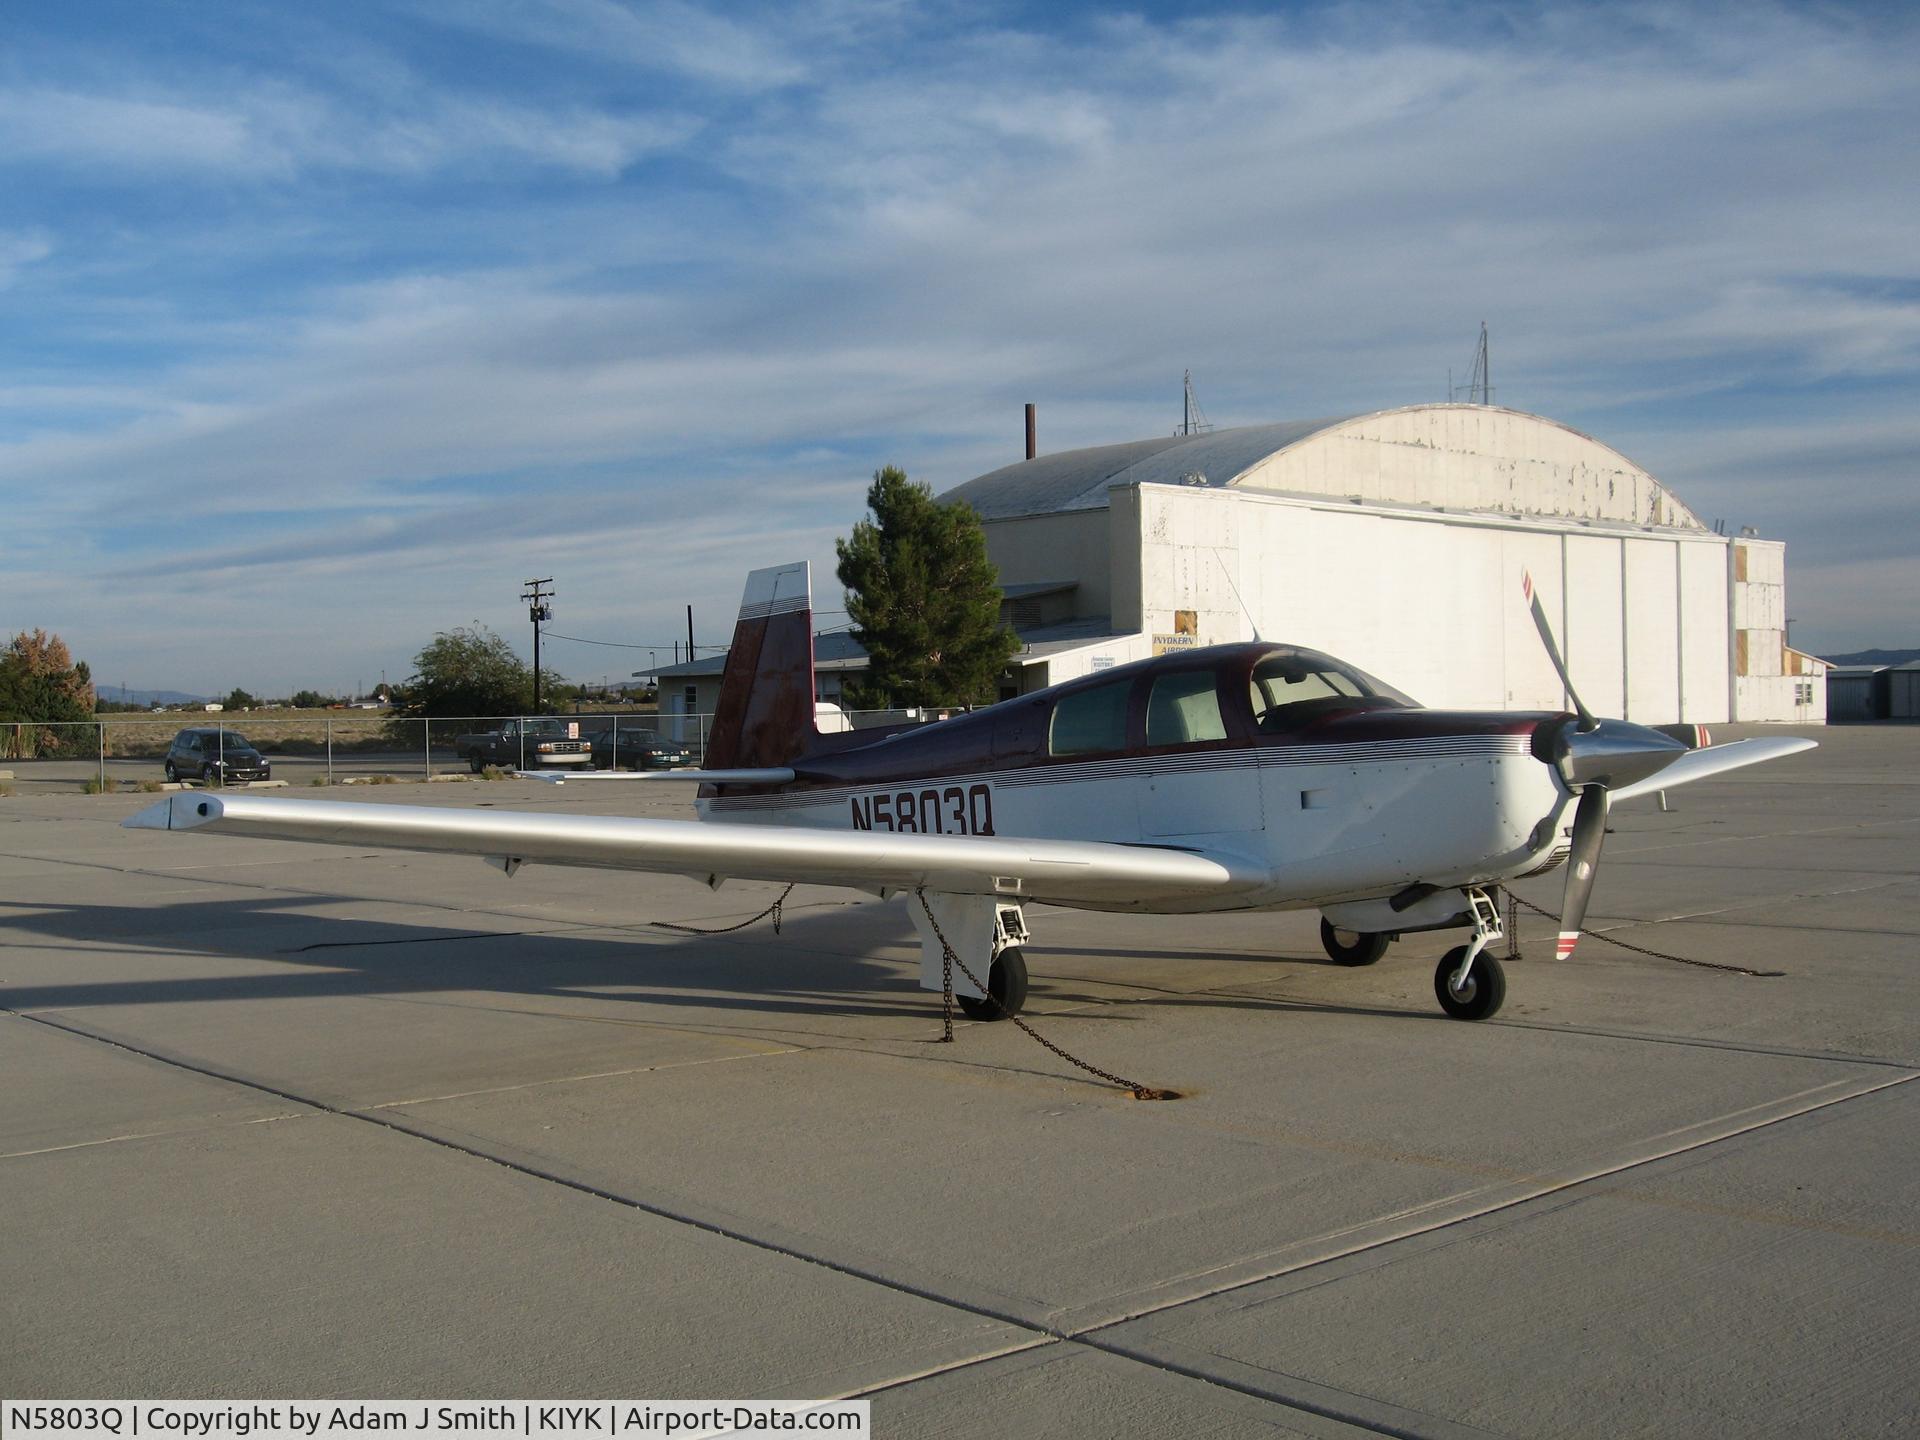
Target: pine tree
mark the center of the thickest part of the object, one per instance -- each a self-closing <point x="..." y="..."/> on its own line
<point x="924" y="599"/>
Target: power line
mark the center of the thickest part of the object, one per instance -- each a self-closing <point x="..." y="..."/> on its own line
<point x="657" y="645"/>
<point x="624" y="644"/>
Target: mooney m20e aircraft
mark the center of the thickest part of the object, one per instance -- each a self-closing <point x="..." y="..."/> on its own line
<point x="1246" y="776"/>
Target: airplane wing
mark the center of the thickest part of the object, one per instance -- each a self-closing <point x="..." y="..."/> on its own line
<point x="1061" y="871"/>
<point x="1714" y="760"/>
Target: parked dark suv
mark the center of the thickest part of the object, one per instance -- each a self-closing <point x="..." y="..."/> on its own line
<point x="638" y="750"/>
<point x="215" y="756"/>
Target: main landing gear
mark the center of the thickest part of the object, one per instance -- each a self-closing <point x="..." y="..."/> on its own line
<point x="1352" y="947"/>
<point x="1006" y="987"/>
<point x="985" y="934"/>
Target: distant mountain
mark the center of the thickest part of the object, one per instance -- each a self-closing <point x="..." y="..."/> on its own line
<point x="1874" y="657"/>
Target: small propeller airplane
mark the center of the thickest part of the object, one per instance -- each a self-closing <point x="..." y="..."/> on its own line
<point x="1239" y="777"/>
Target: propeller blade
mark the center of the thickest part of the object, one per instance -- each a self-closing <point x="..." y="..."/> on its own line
<point x="1589" y="833"/>
<point x="1587" y="722"/>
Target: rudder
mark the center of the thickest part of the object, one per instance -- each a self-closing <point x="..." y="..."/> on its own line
<point x="765" y="713"/>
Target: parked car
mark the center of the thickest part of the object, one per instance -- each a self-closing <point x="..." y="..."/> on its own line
<point x="638" y="750"/>
<point x="529" y="744"/>
<point x="217" y="757"/>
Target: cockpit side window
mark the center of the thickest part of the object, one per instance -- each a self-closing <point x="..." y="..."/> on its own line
<point x="1090" y="722"/>
<point x="1184" y="708"/>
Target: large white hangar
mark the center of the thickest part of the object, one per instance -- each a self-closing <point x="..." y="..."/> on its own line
<point x="1398" y="540"/>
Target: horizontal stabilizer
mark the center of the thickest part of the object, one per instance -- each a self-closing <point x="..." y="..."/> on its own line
<point x="1714" y="760"/>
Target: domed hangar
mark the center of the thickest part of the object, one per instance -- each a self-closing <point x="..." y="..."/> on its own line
<point x="1398" y="540"/>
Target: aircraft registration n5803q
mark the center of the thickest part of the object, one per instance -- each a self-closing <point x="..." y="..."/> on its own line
<point x="1247" y="776"/>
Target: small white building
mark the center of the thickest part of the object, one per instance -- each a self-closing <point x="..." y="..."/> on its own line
<point x="1398" y="541"/>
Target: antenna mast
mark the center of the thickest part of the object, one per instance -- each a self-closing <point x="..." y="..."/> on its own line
<point x="1193" y="420"/>
<point x="1480" y="379"/>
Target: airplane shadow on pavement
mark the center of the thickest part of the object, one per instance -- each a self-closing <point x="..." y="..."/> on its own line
<point x="857" y="960"/>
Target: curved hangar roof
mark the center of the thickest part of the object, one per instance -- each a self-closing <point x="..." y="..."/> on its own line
<point x="1460" y="457"/>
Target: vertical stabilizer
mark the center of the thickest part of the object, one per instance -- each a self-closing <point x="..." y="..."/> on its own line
<point x="765" y="713"/>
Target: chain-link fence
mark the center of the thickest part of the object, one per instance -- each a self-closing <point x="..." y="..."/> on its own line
<point x="146" y="752"/>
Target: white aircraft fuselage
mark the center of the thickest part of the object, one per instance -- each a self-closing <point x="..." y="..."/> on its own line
<point x="1348" y="804"/>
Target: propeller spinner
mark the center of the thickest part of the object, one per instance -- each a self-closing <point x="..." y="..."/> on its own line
<point x="1592" y="757"/>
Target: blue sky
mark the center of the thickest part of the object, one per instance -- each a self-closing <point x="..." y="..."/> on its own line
<point x="326" y="326"/>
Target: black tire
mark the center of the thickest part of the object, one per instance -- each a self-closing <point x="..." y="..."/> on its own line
<point x="173" y="775"/>
<point x="1485" y="991"/>
<point x="475" y="762"/>
<point x="1351" y="947"/>
<point x="209" y="775"/>
<point x="1006" y="985"/>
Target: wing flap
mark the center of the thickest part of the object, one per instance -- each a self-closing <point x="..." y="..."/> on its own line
<point x="1066" y="871"/>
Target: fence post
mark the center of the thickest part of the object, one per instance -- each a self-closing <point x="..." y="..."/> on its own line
<point x="613" y="746"/>
<point x="426" y="746"/>
<point x="329" y="750"/>
<point x="103" y="755"/>
<point x="521" y="726"/>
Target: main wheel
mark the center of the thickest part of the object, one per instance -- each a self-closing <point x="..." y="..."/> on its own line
<point x="1350" y="947"/>
<point x="1483" y="993"/>
<point x="1006" y="984"/>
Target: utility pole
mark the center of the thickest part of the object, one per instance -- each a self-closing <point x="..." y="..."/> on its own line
<point x="537" y="611"/>
<point x="689" y="632"/>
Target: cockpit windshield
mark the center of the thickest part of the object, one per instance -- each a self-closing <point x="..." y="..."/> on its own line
<point x="1291" y="687"/>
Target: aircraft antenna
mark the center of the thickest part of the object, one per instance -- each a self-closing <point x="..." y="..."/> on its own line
<point x="1252" y="624"/>
<point x="1193" y="420"/>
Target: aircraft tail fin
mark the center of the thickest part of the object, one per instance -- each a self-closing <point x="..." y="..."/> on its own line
<point x="764" y="716"/>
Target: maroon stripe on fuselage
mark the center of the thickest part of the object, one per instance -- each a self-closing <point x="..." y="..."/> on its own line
<point x="958" y="747"/>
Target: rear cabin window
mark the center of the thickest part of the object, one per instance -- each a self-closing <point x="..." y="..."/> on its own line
<point x="1090" y="721"/>
<point x="1184" y="708"/>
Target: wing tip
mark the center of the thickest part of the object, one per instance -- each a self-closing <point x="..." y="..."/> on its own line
<point x="176" y="812"/>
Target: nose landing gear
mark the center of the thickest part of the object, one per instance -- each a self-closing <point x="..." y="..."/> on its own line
<point x="1469" y="983"/>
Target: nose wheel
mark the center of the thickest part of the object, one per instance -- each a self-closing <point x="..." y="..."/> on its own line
<point x="1469" y="982"/>
<point x="1476" y="997"/>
